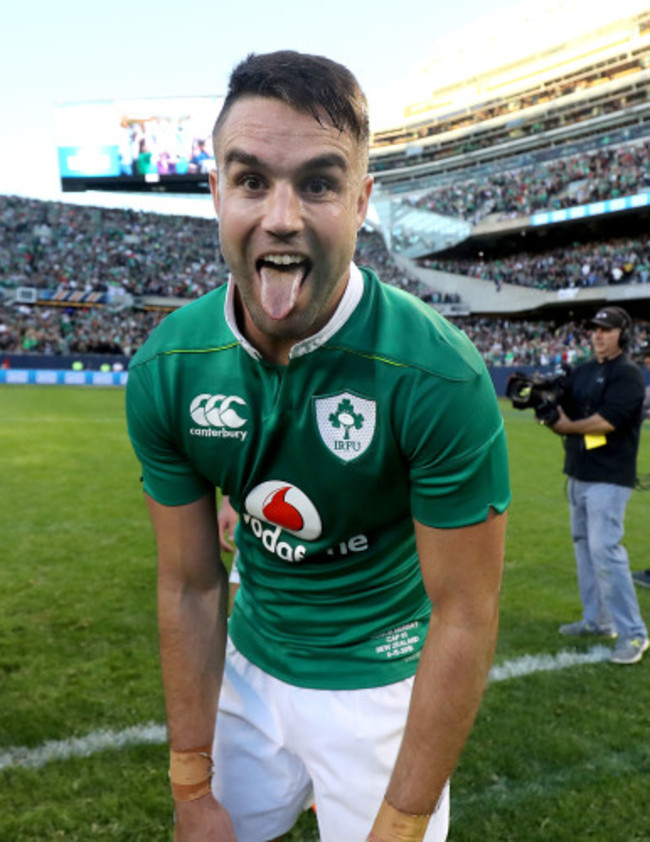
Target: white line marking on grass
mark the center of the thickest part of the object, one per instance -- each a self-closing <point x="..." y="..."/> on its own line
<point x="34" y="758"/>
<point x="82" y="746"/>
<point x="529" y="664"/>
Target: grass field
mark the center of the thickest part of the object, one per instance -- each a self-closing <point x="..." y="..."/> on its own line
<point x="561" y="754"/>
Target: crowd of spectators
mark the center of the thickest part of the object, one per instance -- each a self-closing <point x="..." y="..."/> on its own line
<point x="70" y="331"/>
<point x="64" y="247"/>
<point x="50" y="245"/>
<point x="56" y="245"/>
<point x="619" y="260"/>
<point x="508" y="342"/>
<point x="501" y="342"/>
<point x="606" y="173"/>
<point x="68" y="248"/>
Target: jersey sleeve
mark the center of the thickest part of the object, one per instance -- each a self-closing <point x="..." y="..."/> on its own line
<point x="167" y="475"/>
<point x="457" y="452"/>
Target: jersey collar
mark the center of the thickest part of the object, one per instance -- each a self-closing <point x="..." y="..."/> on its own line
<point x="346" y="306"/>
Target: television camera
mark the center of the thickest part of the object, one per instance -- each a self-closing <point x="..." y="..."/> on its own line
<point x="540" y="392"/>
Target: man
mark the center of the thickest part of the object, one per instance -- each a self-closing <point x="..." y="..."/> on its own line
<point x="600" y="418"/>
<point x="357" y="435"/>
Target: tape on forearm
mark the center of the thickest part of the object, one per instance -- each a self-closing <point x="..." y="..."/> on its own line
<point x="392" y="825"/>
<point x="190" y="773"/>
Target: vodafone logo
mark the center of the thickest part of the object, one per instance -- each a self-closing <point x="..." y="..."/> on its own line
<point x="275" y="507"/>
<point x="283" y="505"/>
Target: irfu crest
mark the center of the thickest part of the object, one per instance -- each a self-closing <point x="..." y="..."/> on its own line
<point x="346" y="417"/>
<point x="346" y="424"/>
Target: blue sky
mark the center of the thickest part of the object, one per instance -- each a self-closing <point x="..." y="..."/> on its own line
<point x="80" y="50"/>
<point x="83" y="50"/>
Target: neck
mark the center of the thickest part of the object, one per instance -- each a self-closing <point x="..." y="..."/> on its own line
<point x="274" y="349"/>
<point x="603" y="358"/>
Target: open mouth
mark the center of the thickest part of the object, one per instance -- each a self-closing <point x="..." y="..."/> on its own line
<point x="281" y="279"/>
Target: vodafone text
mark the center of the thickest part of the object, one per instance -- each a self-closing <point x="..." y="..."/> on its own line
<point x="269" y="535"/>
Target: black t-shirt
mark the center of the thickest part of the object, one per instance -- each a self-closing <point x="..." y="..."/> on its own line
<point x="614" y="389"/>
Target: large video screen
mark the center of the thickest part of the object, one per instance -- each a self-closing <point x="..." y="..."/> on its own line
<point x="139" y="144"/>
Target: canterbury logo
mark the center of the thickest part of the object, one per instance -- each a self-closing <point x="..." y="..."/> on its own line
<point x="217" y="415"/>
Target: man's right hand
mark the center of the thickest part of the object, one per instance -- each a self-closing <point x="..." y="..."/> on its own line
<point x="203" y="820"/>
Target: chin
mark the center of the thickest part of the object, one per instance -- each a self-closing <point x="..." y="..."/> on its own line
<point x="290" y="327"/>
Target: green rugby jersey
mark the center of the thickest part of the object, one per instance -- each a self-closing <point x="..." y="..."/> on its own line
<point x="387" y="414"/>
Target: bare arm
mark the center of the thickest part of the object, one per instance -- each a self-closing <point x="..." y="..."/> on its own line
<point x="461" y="569"/>
<point x="192" y="605"/>
<point x="595" y="424"/>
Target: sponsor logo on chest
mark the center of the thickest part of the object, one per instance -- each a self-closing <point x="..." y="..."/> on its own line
<point x="218" y="416"/>
<point x="275" y="507"/>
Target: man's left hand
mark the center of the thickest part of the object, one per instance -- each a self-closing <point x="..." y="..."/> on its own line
<point x="562" y="426"/>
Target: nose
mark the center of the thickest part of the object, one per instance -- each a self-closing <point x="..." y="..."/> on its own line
<point x="283" y="211"/>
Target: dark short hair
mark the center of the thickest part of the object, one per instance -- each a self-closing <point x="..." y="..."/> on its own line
<point x="311" y="84"/>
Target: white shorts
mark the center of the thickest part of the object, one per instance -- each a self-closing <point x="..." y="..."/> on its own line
<point x="279" y="748"/>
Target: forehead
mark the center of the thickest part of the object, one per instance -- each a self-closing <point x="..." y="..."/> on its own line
<point x="271" y="130"/>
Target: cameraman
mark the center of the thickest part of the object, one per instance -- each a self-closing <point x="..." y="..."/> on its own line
<point x="600" y="416"/>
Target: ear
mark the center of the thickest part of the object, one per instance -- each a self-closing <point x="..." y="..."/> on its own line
<point x="214" y="189"/>
<point x="364" y="199"/>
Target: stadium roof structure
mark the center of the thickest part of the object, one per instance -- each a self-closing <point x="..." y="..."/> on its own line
<point x="584" y="86"/>
<point x="536" y="46"/>
<point x="572" y="79"/>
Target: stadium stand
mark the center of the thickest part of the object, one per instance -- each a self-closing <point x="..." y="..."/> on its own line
<point x="516" y="200"/>
<point x="605" y="173"/>
<point x="623" y="260"/>
<point x="587" y="86"/>
<point x="72" y="260"/>
<point x="533" y="175"/>
<point x="79" y="280"/>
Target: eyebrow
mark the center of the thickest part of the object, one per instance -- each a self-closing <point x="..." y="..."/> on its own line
<point x="321" y="162"/>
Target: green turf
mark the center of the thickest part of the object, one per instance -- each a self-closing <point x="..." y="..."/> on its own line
<point x="561" y="756"/>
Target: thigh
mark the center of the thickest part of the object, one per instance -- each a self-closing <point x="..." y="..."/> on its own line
<point x="349" y="740"/>
<point x="606" y="504"/>
<point x="263" y="785"/>
<point x="577" y="509"/>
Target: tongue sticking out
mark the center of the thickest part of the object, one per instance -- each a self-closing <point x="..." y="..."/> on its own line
<point x="280" y="289"/>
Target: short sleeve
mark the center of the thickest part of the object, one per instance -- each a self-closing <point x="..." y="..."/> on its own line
<point x="623" y="397"/>
<point x="459" y="459"/>
<point x="167" y="475"/>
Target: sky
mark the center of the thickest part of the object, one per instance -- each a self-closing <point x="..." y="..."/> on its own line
<point x="83" y="50"/>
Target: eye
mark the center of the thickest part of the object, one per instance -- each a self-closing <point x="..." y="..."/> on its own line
<point x="251" y="182"/>
<point x="318" y="186"/>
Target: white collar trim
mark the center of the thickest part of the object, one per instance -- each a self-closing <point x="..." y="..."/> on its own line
<point x="346" y="306"/>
